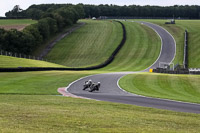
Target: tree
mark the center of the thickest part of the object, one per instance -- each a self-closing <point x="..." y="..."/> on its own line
<point x="44" y="28"/>
<point x="34" y="13"/>
<point x="33" y="30"/>
<point x="15" y="12"/>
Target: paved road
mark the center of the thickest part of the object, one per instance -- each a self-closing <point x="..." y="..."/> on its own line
<point x="110" y="91"/>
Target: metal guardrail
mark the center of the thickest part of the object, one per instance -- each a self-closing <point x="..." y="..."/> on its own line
<point x="194" y="70"/>
<point x="185" y="60"/>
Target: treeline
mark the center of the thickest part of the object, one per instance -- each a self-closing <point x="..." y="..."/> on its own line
<point x="191" y="12"/>
<point x="51" y="20"/>
<point x="39" y="11"/>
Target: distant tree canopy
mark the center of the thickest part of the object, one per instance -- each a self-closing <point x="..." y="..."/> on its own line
<point x="84" y="11"/>
<point x="191" y="12"/>
<point x="15" y="12"/>
<point x="51" y="18"/>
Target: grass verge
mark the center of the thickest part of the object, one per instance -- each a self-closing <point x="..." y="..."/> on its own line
<point x="175" y="87"/>
<point x="37" y="83"/>
<point x="60" y="114"/>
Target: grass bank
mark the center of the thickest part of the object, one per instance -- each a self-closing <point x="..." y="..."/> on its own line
<point x="175" y="87"/>
<point x="90" y="45"/>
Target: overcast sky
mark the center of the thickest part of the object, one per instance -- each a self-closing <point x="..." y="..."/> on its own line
<point x="6" y="5"/>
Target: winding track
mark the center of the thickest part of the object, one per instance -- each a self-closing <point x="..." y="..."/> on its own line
<point x="110" y="90"/>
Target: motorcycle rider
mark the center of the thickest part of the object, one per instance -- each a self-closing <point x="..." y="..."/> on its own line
<point x="95" y="86"/>
<point x="87" y="84"/>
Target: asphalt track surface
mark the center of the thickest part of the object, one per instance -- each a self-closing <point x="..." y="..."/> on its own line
<point x="110" y="90"/>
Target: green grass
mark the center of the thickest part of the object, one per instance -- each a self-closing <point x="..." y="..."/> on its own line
<point x="193" y="27"/>
<point x="12" y="62"/>
<point x="176" y="87"/>
<point x="37" y="83"/>
<point x="90" y="45"/>
<point x="59" y="114"/>
<point x="16" y="21"/>
<point x="140" y="51"/>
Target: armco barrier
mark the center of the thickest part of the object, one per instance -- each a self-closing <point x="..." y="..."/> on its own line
<point x="185" y="59"/>
<point x="107" y="62"/>
<point x="163" y="70"/>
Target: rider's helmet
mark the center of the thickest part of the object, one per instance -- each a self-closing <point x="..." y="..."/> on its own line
<point x="89" y="80"/>
<point x="99" y="83"/>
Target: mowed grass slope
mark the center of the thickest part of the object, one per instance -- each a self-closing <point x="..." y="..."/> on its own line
<point x="16" y="21"/>
<point x="176" y="87"/>
<point x="90" y="45"/>
<point x="193" y="27"/>
<point x="140" y="51"/>
<point x="13" y="62"/>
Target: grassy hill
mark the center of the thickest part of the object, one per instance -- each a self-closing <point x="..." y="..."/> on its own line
<point x="94" y="43"/>
<point x="12" y="62"/>
<point x="140" y="51"/>
<point x="90" y="45"/>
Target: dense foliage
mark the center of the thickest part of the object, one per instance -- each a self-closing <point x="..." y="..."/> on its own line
<point x="191" y="12"/>
<point x="51" y="19"/>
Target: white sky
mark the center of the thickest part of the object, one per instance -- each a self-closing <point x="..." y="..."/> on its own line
<point x="6" y="5"/>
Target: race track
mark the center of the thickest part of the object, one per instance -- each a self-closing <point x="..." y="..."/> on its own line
<point x="110" y="91"/>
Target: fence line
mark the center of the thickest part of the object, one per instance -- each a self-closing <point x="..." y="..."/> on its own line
<point x="19" y="55"/>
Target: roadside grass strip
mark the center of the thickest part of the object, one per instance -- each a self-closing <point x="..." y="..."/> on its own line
<point x="140" y="51"/>
<point x="175" y="87"/>
<point x="90" y="45"/>
<point x="13" y="62"/>
<point x="27" y="113"/>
